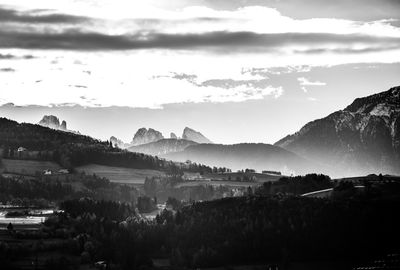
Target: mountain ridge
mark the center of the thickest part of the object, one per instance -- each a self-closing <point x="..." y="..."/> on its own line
<point x="256" y="156"/>
<point x="362" y="138"/>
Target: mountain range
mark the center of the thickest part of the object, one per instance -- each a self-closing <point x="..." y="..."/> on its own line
<point x="151" y="141"/>
<point x="360" y="139"/>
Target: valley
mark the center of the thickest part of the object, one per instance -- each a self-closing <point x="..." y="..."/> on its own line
<point x="72" y="200"/>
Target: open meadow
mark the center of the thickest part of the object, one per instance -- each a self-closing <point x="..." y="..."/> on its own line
<point x="120" y="175"/>
<point x="27" y="167"/>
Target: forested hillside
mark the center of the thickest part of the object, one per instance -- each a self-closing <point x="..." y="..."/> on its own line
<point x="71" y="150"/>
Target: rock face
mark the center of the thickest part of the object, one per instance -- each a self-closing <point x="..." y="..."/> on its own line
<point x="162" y="147"/>
<point x="118" y="143"/>
<point x="195" y="136"/>
<point x="144" y="136"/>
<point x="173" y="136"/>
<point x="64" y="125"/>
<point x="53" y="122"/>
<point x="363" y="138"/>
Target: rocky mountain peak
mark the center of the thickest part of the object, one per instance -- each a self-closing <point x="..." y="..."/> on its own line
<point x="144" y="135"/>
<point x="64" y="125"/>
<point x="195" y="136"/>
<point x="53" y="122"/>
<point x="118" y="142"/>
<point x="173" y="136"/>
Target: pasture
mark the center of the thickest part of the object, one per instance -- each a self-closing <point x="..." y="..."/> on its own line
<point x="217" y="183"/>
<point x="27" y="167"/>
<point x="232" y="176"/>
<point x="120" y="175"/>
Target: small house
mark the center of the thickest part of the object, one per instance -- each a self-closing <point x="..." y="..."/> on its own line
<point x="47" y="172"/>
<point x="21" y="149"/>
<point x="63" y="171"/>
<point x="189" y="176"/>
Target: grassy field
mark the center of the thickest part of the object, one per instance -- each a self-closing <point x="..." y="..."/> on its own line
<point x="119" y="175"/>
<point x="217" y="183"/>
<point x="27" y="167"/>
<point x="260" y="177"/>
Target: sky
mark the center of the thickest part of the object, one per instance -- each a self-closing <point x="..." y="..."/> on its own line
<point x="236" y="70"/>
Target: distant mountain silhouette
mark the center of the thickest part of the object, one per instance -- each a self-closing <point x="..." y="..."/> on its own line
<point x="363" y="138"/>
<point x="162" y="147"/>
<point x="144" y="136"/>
<point x="118" y="142"/>
<point x="195" y="136"/>
<point x="53" y="122"/>
<point x="241" y="156"/>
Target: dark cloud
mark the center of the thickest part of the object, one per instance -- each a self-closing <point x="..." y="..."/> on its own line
<point x="11" y="56"/>
<point x="7" y="56"/>
<point x="10" y="15"/>
<point x="7" y="70"/>
<point x="78" y="86"/>
<point x="212" y="41"/>
<point x="388" y="47"/>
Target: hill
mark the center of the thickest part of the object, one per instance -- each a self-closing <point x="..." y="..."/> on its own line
<point x="363" y="138"/>
<point x="35" y="142"/>
<point x="240" y="156"/>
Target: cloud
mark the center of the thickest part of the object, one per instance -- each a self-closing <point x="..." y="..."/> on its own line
<point x="380" y="48"/>
<point x="266" y="72"/>
<point x="305" y="82"/>
<point x="78" y="86"/>
<point x="14" y="16"/>
<point x="222" y="42"/>
<point x="215" y="55"/>
<point x="11" y="57"/>
<point x="7" y="56"/>
<point x="7" y="70"/>
<point x="360" y="10"/>
<point x="250" y="84"/>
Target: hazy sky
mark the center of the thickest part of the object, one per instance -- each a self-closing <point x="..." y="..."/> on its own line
<point x="238" y="71"/>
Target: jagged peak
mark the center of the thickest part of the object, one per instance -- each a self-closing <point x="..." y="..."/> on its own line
<point x="144" y="135"/>
<point x="193" y="135"/>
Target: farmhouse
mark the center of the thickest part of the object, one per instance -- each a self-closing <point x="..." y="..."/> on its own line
<point x="21" y="149"/>
<point x="189" y="176"/>
<point x="63" y="171"/>
<point x="47" y="172"/>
